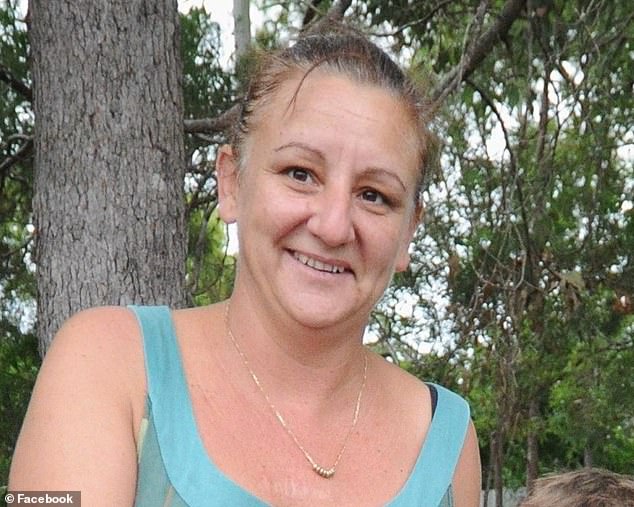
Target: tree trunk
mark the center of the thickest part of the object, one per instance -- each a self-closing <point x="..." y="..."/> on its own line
<point x="109" y="156"/>
<point x="587" y="457"/>
<point x="498" y="463"/>
<point x="489" y="474"/>
<point x="242" y="27"/>
<point x="532" y="446"/>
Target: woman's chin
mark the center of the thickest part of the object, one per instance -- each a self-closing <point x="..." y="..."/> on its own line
<point x="321" y="313"/>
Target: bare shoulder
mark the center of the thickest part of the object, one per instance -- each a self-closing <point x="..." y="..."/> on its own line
<point x="97" y="330"/>
<point x="102" y="347"/>
<point x="78" y="433"/>
<point x="411" y="390"/>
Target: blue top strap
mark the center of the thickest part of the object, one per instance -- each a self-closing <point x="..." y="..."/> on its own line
<point x="182" y="449"/>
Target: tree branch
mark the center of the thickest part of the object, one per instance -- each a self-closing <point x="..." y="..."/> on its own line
<point x="311" y="12"/>
<point x="416" y="22"/>
<point x="332" y="17"/>
<point x="489" y="101"/>
<point x="213" y="125"/>
<point x="15" y="84"/>
<point x="23" y="152"/>
<point x="338" y="9"/>
<point x="223" y="122"/>
<point x="478" y="50"/>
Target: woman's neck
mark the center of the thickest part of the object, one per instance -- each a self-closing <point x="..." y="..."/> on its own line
<point x="291" y="358"/>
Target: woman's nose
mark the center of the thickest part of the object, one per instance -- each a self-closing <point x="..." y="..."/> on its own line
<point x="331" y="217"/>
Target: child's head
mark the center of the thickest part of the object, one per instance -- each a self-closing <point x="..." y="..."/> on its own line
<point x="590" y="487"/>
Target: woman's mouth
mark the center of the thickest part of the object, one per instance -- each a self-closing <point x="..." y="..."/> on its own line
<point x="317" y="264"/>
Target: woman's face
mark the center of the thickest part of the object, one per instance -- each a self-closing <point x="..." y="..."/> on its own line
<point x="325" y="201"/>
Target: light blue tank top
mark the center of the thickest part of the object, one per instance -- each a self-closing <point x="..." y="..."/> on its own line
<point x="174" y="469"/>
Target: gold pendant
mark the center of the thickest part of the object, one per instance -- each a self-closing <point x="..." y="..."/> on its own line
<point x="325" y="473"/>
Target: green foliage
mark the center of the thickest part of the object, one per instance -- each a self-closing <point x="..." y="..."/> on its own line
<point x="19" y="362"/>
<point x="15" y="163"/>
<point x="18" y="347"/>
<point x="211" y="269"/>
<point x="591" y="400"/>
<point x="208" y="90"/>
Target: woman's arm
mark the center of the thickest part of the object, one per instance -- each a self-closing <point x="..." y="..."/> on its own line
<point x="467" y="479"/>
<point x="79" y="430"/>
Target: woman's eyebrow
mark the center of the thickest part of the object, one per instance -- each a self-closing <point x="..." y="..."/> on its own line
<point x="302" y="146"/>
<point x="379" y="172"/>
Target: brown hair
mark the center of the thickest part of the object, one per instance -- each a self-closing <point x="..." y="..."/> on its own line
<point x="347" y="54"/>
<point x="590" y="487"/>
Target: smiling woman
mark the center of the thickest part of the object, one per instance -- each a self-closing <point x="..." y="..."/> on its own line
<point x="271" y="397"/>
<point x="323" y="181"/>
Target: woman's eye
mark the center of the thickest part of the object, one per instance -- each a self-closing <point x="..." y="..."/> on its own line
<point x="299" y="174"/>
<point x="373" y="197"/>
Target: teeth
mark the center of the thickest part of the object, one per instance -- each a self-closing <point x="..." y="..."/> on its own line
<point x="318" y="265"/>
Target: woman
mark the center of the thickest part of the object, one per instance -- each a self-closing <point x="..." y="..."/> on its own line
<point x="271" y="397"/>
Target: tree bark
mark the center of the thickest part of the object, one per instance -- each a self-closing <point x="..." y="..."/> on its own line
<point x="109" y="156"/>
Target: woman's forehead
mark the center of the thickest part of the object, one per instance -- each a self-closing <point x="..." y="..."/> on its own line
<point x="336" y="116"/>
<point x="299" y="90"/>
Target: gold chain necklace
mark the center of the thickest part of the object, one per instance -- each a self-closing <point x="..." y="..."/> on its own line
<point x="326" y="473"/>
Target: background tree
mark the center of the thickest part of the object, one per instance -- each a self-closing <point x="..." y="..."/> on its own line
<point x="109" y="167"/>
<point x="209" y="107"/>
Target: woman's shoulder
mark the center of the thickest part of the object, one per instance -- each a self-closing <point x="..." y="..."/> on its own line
<point x="89" y="394"/>
<point x="403" y="399"/>
<point x="412" y="389"/>
<point x="109" y="323"/>
<point x="398" y="380"/>
<point x="108" y="336"/>
<point x="100" y="347"/>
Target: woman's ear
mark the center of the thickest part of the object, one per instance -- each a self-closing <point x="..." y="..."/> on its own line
<point x="402" y="256"/>
<point x="227" y="175"/>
